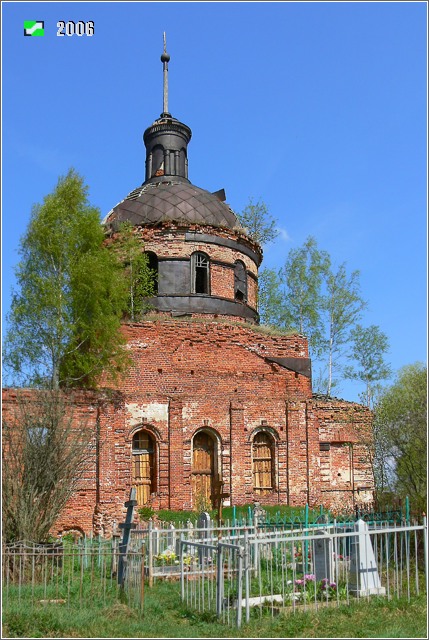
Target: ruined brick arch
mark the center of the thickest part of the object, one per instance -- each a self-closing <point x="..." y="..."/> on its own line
<point x="206" y="465"/>
<point x="74" y="530"/>
<point x="144" y="459"/>
<point x="264" y="454"/>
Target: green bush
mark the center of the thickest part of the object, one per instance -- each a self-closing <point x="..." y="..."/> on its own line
<point x="146" y="513"/>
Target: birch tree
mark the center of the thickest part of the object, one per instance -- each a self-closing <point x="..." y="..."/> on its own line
<point x="342" y="306"/>
<point x="369" y="346"/>
<point x="64" y="323"/>
<point x="304" y="273"/>
<point x="258" y="222"/>
<point x="270" y="298"/>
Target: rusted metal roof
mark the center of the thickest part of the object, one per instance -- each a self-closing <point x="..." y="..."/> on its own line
<point x="162" y="201"/>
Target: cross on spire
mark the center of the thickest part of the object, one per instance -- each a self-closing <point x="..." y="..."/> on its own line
<point x="165" y="59"/>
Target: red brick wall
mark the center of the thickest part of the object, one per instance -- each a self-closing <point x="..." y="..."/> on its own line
<point x="346" y="472"/>
<point x="192" y="375"/>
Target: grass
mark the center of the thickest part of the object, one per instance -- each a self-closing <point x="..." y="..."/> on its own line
<point x="165" y="616"/>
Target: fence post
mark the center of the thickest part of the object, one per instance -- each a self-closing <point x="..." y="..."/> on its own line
<point x="335" y="539"/>
<point x="425" y="547"/>
<point x="182" y="568"/>
<point x="219" y="580"/>
<point x="142" y="578"/>
<point x="256" y="553"/>
<point x="246" y="572"/>
<point x="239" y="585"/>
<point x="305" y="554"/>
<point x="407" y="510"/>
<point x="150" y="552"/>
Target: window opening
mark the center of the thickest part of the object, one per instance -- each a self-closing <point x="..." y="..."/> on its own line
<point x="153" y="266"/>
<point x="240" y="282"/>
<point x="144" y="476"/>
<point x="200" y="273"/>
<point x="263" y="463"/>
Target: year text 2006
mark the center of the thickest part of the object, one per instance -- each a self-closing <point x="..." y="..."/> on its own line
<point x="71" y="28"/>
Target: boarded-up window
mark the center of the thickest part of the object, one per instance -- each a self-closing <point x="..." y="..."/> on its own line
<point x="143" y="466"/>
<point x="341" y="462"/>
<point x="203" y="461"/>
<point x="263" y="463"/>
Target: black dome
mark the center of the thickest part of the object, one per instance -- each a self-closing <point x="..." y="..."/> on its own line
<point x="173" y="201"/>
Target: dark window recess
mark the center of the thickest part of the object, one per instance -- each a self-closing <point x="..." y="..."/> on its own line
<point x="324" y="446"/>
<point x="153" y="266"/>
<point x="240" y="282"/>
<point x="157" y="160"/>
<point x="200" y="273"/>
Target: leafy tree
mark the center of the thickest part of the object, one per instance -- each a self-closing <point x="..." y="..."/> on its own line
<point x="400" y="429"/>
<point x="45" y="454"/>
<point x="139" y="277"/>
<point x="270" y="298"/>
<point x="303" y="276"/>
<point x="342" y="306"/>
<point x="64" y="324"/>
<point x="258" y="222"/>
<point x="309" y="297"/>
<point x="369" y="346"/>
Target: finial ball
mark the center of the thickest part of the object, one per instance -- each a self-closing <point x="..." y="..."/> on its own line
<point x="165" y="57"/>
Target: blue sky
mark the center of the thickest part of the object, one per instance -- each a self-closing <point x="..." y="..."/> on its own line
<point x="319" y="109"/>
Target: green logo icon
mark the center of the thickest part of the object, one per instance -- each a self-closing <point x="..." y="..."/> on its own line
<point x="34" y="28"/>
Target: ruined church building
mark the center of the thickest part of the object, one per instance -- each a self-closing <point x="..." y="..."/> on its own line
<point x="213" y="407"/>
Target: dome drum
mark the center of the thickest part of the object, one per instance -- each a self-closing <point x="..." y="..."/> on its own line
<point x="201" y="304"/>
<point x="166" y="144"/>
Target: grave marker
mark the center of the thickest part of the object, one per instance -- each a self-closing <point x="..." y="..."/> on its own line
<point x="323" y="557"/>
<point x="203" y="523"/>
<point x="364" y="578"/>
<point x="126" y="527"/>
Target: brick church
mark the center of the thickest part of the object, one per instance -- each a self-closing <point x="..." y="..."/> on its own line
<point x="214" y="408"/>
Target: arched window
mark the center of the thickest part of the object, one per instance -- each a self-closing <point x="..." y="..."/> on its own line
<point x="157" y="160"/>
<point x="144" y="466"/>
<point x="263" y="463"/>
<point x="153" y="266"/>
<point x="200" y="273"/>
<point x="240" y="282"/>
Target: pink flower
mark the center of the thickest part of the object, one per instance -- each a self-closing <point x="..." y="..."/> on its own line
<point x="310" y="576"/>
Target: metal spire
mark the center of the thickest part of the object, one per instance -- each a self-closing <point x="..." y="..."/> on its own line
<point x="165" y="59"/>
